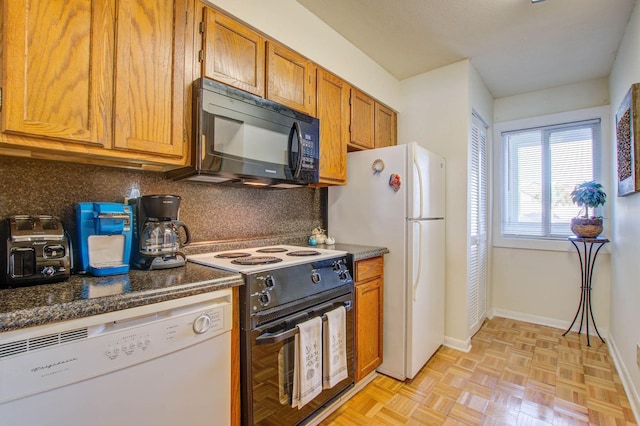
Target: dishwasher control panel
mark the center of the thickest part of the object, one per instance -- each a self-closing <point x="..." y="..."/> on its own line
<point x="166" y="336"/>
<point x="113" y="345"/>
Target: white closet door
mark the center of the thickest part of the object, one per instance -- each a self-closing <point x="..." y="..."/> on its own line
<point x="478" y="224"/>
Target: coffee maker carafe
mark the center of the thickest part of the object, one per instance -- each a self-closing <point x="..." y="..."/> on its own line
<point x="156" y="238"/>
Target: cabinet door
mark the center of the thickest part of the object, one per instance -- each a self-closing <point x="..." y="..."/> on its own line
<point x="368" y="327"/>
<point x="232" y="53"/>
<point x="149" y="89"/>
<point x="386" y="126"/>
<point x="57" y="60"/>
<point x="291" y="79"/>
<point x="362" y="120"/>
<point x="333" y="112"/>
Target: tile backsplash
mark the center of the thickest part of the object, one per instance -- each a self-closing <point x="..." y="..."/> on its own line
<point x="214" y="213"/>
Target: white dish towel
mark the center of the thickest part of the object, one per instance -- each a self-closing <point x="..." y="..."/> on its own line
<point x="334" y="365"/>
<point x="307" y="370"/>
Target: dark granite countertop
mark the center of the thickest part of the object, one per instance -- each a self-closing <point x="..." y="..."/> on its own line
<point x="359" y="252"/>
<point x="82" y="295"/>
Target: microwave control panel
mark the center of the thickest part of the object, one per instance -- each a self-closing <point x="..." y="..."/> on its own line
<point x="309" y="152"/>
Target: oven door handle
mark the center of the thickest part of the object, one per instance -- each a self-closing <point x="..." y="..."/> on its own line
<point x="268" y="338"/>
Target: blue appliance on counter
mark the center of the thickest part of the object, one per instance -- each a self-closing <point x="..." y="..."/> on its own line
<point x="104" y="237"/>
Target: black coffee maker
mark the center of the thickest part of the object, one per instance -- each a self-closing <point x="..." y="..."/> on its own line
<point x="156" y="233"/>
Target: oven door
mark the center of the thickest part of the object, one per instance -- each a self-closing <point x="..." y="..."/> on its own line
<point x="272" y="347"/>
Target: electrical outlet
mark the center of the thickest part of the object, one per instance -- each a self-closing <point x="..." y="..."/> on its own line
<point x="638" y="354"/>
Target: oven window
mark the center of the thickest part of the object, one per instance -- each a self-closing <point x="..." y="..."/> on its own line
<point x="286" y="358"/>
<point x="272" y="380"/>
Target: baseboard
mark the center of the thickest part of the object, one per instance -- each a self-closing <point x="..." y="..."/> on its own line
<point x="627" y="383"/>
<point x="460" y="345"/>
<point x="540" y="320"/>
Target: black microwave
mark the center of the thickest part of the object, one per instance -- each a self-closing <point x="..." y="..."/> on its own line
<point x="240" y="137"/>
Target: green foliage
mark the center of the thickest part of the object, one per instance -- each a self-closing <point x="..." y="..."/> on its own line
<point x="588" y="194"/>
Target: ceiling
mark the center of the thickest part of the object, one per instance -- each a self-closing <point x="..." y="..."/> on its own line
<point x="516" y="46"/>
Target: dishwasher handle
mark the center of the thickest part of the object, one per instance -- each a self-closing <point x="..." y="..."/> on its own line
<point x="268" y="338"/>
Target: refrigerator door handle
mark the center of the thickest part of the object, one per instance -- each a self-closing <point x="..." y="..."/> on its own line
<point x="417" y="166"/>
<point x="417" y="281"/>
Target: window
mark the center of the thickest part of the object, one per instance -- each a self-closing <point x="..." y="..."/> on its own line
<point x="540" y="167"/>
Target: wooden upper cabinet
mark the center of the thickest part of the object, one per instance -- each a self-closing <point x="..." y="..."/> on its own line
<point x="333" y="112"/>
<point x="232" y="53"/>
<point x="149" y="77"/>
<point x="386" y="126"/>
<point x="362" y="120"/>
<point x="291" y="79"/>
<point x="57" y="66"/>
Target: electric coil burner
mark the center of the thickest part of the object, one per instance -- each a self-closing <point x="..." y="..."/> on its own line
<point x="304" y="253"/>
<point x="299" y="285"/>
<point x="272" y="250"/>
<point x="232" y="255"/>
<point x="256" y="260"/>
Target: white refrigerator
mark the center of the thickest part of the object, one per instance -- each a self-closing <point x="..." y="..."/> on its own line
<point x="410" y="222"/>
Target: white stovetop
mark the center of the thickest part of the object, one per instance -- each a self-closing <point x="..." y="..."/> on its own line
<point x="210" y="259"/>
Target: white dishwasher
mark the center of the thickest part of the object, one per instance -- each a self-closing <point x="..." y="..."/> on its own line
<point x="168" y="363"/>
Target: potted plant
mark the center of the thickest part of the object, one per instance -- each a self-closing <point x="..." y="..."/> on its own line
<point x="587" y="194"/>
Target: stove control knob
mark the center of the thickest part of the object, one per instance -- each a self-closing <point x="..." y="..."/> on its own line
<point x="337" y="265"/>
<point x="264" y="298"/>
<point x="343" y="276"/>
<point x="269" y="281"/>
<point x="315" y="277"/>
<point x="202" y="324"/>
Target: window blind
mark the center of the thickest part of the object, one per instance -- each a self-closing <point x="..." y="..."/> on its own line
<point x="541" y="167"/>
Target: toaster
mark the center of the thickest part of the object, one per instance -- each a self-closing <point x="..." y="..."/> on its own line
<point x="34" y="250"/>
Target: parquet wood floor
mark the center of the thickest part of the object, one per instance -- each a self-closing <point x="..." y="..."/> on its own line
<point x="517" y="373"/>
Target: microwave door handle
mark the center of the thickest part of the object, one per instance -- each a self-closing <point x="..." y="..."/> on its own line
<point x="295" y="130"/>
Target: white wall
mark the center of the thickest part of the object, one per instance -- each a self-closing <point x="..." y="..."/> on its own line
<point x="572" y="97"/>
<point x="542" y="286"/>
<point x="625" y="264"/>
<point x="436" y="112"/>
<point x="288" y="22"/>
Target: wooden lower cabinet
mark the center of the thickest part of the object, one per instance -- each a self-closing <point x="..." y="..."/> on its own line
<point x="369" y="290"/>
